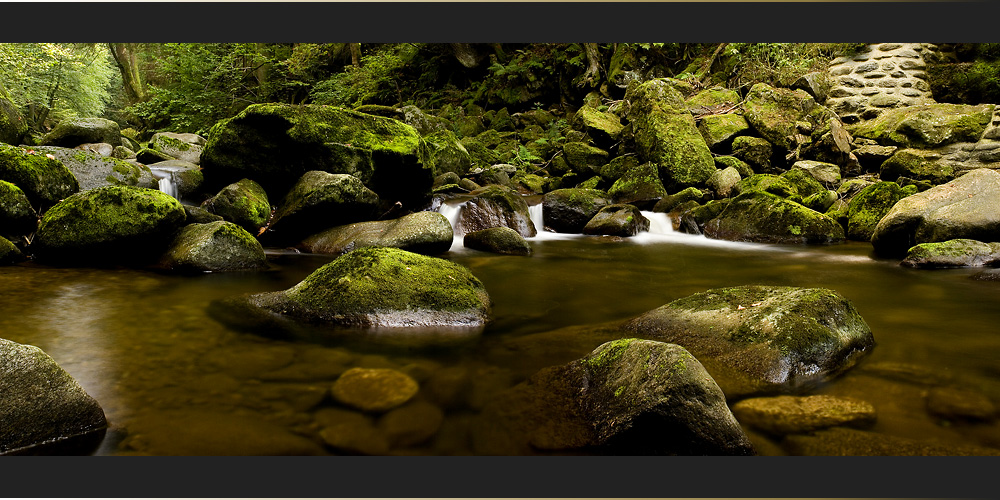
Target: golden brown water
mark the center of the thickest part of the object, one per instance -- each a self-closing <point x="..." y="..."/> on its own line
<point x="173" y="380"/>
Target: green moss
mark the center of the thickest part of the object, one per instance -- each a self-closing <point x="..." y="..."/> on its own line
<point x="171" y="142"/>
<point x="243" y="202"/>
<point x="44" y="180"/>
<point x="608" y="353"/>
<point x="869" y="206"/>
<point x="640" y="183"/>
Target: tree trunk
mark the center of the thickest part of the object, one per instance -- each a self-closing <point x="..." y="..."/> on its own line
<point x="355" y="54"/>
<point x="124" y="54"/>
<point x="593" y="64"/>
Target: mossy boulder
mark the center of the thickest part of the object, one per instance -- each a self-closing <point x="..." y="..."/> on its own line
<point x="769" y="183"/>
<point x="529" y="183"/>
<point x="617" y="167"/>
<point x="72" y="132"/>
<point x="826" y="174"/>
<point x="953" y="253"/>
<point x="669" y="203"/>
<point x="94" y="170"/>
<point x="867" y="208"/>
<point x="780" y="115"/>
<point x="17" y="217"/>
<point x="480" y="155"/>
<point x="712" y="98"/>
<point x="724" y="162"/>
<point x="186" y="176"/>
<point x="568" y="210"/>
<point x="757" y="340"/>
<point x="583" y="158"/>
<point x="720" y="130"/>
<point x="495" y="206"/>
<point x="13" y="128"/>
<point x="627" y="397"/>
<point x="502" y="240"/>
<point x="927" y="125"/>
<point x="147" y="156"/>
<point x="42" y="404"/>
<point x="108" y="225"/>
<point x="275" y="144"/>
<point x="724" y="182"/>
<point x="214" y="247"/>
<point x="783" y="415"/>
<point x="622" y="220"/>
<point x="198" y="215"/>
<point x="375" y="287"/>
<point x="496" y="174"/>
<point x="756" y="152"/>
<point x="916" y="164"/>
<point x="603" y="127"/>
<point x="243" y="202"/>
<point x="428" y="233"/>
<point x="963" y="208"/>
<point x="44" y="180"/>
<point x="692" y="220"/>
<point x="640" y="186"/>
<point x="184" y="147"/>
<point x="762" y="217"/>
<point x="320" y="200"/>
<point x="9" y="253"/>
<point x="424" y="123"/>
<point x="448" y="154"/>
<point x="666" y="135"/>
<point x="803" y="183"/>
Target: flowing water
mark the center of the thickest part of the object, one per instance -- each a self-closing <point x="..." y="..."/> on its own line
<point x="173" y="380"/>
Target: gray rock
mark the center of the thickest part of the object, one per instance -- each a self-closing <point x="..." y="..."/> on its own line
<point x="95" y="170"/>
<point x="495" y="206"/>
<point x="186" y="176"/>
<point x="568" y="210"/>
<point x="724" y="182"/>
<point x="429" y="233"/>
<point x="101" y="148"/>
<point x="184" y="147"/>
<point x="72" y="132"/>
<point x="214" y="247"/>
<point x="617" y="220"/>
<point x="826" y="174"/>
<point x="953" y="253"/>
<point x="928" y="125"/>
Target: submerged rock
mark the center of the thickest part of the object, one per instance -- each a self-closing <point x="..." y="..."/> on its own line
<point x="44" y="180"/>
<point x="568" y="210"/>
<point x="496" y="206"/>
<point x="213" y="247"/>
<point x="95" y="170"/>
<point x="374" y="389"/>
<point x="502" y="240"/>
<point x="44" y="405"/>
<point x="846" y="442"/>
<point x="320" y="200"/>
<point x="762" y="339"/>
<point x="781" y="415"/>
<point x="765" y="218"/>
<point x="72" y="132"/>
<point x="244" y="203"/>
<point x="617" y="220"/>
<point x="953" y="253"/>
<point x="429" y="233"/>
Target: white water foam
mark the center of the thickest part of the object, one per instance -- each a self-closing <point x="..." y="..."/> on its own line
<point x="661" y="230"/>
<point x="538" y="219"/>
<point x="165" y="180"/>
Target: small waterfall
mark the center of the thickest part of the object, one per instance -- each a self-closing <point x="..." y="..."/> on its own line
<point x="165" y="180"/>
<point x="452" y="211"/>
<point x="659" y="222"/>
<point x="535" y="211"/>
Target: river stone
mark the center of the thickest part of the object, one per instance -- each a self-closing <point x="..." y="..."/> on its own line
<point x="374" y="389"/>
<point x="617" y="220"/>
<point x="768" y="183"/>
<point x="640" y="186"/>
<point x="869" y="206"/>
<point x="781" y="415"/>
<point x="963" y="208"/>
<point x="351" y="432"/>
<point x="927" y="125"/>
<point x="724" y="182"/>
<point x="275" y="144"/>
<point x="871" y="156"/>
<point x="755" y="152"/>
<point x="568" y="210"/>
<point x="847" y="442"/>
<point x="428" y="233"/>
<point x="411" y="424"/>
<point x="108" y="225"/>
<point x="720" y="130"/>
<point x="583" y="158"/>
<point x="952" y="403"/>
<point x="605" y="128"/>
<point x="666" y="135"/>
<point x="762" y="339"/>
<point x="826" y="174"/>
<point x="42" y="404"/>
<point x="44" y="180"/>
<point x="320" y="200"/>
<point x="72" y="132"/>
<point x="917" y="165"/>
<point x="670" y="202"/>
<point x="765" y="218"/>
<point x="13" y="128"/>
<point x="184" y="147"/>
<point x="378" y="287"/>
<point x="244" y="203"/>
<point x="147" y="156"/>
<point x="213" y="247"/>
<point x="192" y="432"/>
<point x="95" y="170"/>
<point x="9" y="253"/>
<point x="724" y="162"/>
<point x="495" y="206"/>
<point x="805" y="185"/>
<point x="449" y="155"/>
<point x="776" y="113"/>
<point x="953" y="253"/>
<point x="17" y="217"/>
<point x="503" y="240"/>
<point x="101" y="148"/>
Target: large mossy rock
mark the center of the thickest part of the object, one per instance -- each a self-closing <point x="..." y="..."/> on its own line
<point x="320" y="200"/>
<point x="275" y="144"/>
<point x="927" y="125"/>
<point x="496" y="206"/>
<point x="720" y="130"/>
<point x="666" y="135"/>
<point x="953" y="253"/>
<point x="44" y="180"/>
<point x="584" y="159"/>
<point x="762" y="217"/>
<point x="428" y="233"/>
<point x="184" y="147"/>
<point x="44" y="405"/>
<point x="378" y="287"/>
<point x="777" y="114"/>
<point x="244" y="202"/>
<point x="568" y="210"/>
<point x="448" y="153"/>
<point x="621" y="219"/>
<point x="13" y="128"/>
<point x="72" y="132"/>
<point x="603" y="127"/>
<point x="640" y="186"/>
<point x="918" y="165"/>
<point x="214" y="247"/>
<point x="963" y="208"/>
<point x="108" y="225"/>
<point x="17" y="217"/>
<point x="755" y="152"/>
<point x="502" y="240"/>
<point x="186" y="176"/>
<point x="762" y="339"/>
<point x="9" y="253"/>
<point x="869" y="206"/>
<point x="627" y="397"/>
<point x="94" y="170"/>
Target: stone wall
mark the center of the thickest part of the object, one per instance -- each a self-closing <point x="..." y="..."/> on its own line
<point x="886" y="75"/>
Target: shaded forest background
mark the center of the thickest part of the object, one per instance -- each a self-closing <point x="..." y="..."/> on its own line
<point x="185" y="87"/>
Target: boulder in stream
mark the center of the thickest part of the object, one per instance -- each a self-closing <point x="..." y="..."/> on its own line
<point x="495" y="206"/>
<point x="503" y="240"/>
<point x="781" y="415"/>
<point x="184" y="147"/>
<point x="213" y="247"/>
<point x="622" y="220"/>
<point x="244" y="202"/>
<point x="95" y="170"/>
<point x="17" y="217"/>
<point x="953" y="253"/>
<point x="869" y="206"/>
<point x="428" y="233"/>
<point x="44" y="180"/>
<point x="568" y="210"/>
<point x="72" y="132"/>
<point x="762" y="217"/>
<point x="320" y="200"/>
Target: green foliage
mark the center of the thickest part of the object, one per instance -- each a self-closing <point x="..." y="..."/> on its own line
<point x="376" y="81"/>
<point x="537" y="72"/>
<point x="777" y="64"/>
<point x="974" y="79"/>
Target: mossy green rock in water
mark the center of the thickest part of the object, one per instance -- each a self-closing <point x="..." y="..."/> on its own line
<point x="9" y="253"/>
<point x="13" y="128"/>
<point x="321" y="200"/>
<point x="72" y="132"/>
<point x="184" y="147"/>
<point x="917" y="165"/>
<point x="44" y="180"/>
<point x="927" y="125"/>
<point x="495" y="206"/>
<point x="666" y="135"/>
<point x="275" y="144"/>
<point x="428" y="233"/>
<point x="776" y="113"/>
<point x="617" y="220"/>
<point x="953" y="253"/>
<point x="17" y="217"/>
<point x="44" y="405"/>
<point x="568" y="210"/>
<point x="765" y="218"/>
<point x="963" y="208"/>
<point x="243" y="202"/>
<point x="503" y="240"/>
<point x="640" y="186"/>
<point x="212" y="247"/>
<point x="762" y="339"/>
<point x="382" y="287"/>
<point x="867" y="208"/>
<point x="93" y="170"/>
<point x="108" y="225"/>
